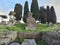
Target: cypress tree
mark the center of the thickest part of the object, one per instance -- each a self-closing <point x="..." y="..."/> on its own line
<point x="48" y="14"/>
<point x="53" y="15"/>
<point x="42" y="15"/>
<point x="18" y="10"/>
<point x="35" y="9"/>
<point x="26" y="10"/>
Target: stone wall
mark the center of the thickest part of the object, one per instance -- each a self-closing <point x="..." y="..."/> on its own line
<point x="52" y="38"/>
<point x="30" y="35"/>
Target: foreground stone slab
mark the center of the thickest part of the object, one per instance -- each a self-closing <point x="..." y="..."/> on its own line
<point x="7" y="37"/>
<point x="15" y="44"/>
<point x="29" y="42"/>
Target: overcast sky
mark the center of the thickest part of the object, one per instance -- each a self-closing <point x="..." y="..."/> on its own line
<point x="7" y="5"/>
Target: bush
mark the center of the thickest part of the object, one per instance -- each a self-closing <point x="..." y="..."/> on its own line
<point x="41" y="42"/>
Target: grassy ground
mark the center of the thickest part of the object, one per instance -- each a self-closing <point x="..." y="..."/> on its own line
<point x="21" y="28"/>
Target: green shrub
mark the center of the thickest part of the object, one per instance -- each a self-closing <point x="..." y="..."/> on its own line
<point x="41" y="42"/>
<point x="19" y="40"/>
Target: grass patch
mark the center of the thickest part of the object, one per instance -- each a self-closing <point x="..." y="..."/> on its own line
<point x="21" y="28"/>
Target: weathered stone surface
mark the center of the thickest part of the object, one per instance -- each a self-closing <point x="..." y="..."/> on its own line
<point x="31" y="23"/>
<point x="52" y="38"/>
<point x="12" y="20"/>
<point x="14" y="44"/>
<point x="50" y="24"/>
<point x="7" y="37"/>
<point x="29" y="42"/>
<point x="30" y="35"/>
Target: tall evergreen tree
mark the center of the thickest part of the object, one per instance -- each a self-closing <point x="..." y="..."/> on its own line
<point x="48" y="14"/>
<point x="26" y="11"/>
<point x="18" y="10"/>
<point x="53" y="15"/>
<point x="42" y="16"/>
<point x="35" y="9"/>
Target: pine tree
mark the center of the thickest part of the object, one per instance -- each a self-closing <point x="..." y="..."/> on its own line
<point x="18" y="10"/>
<point x="35" y="9"/>
<point x="26" y="11"/>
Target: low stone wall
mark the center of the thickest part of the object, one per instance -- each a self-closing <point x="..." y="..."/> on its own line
<point x="30" y="35"/>
<point x="52" y="38"/>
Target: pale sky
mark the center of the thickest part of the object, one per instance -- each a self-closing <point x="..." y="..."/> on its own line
<point x="7" y="5"/>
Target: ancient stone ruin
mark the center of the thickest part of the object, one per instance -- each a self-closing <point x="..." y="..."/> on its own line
<point x="50" y="24"/>
<point x="7" y="37"/>
<point x="12" y="20"/>
<point x="52" y="38"/>
<point x="31" y="23"/>
<point x="30" y="35"/>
